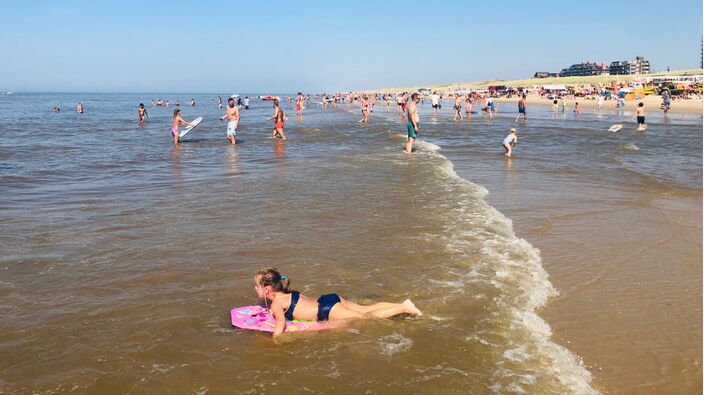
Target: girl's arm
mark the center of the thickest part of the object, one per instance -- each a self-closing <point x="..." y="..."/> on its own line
<point x="182" y="122"/>
<point x="278" y="312"/>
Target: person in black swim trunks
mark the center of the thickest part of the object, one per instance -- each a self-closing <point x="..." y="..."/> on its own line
<point x="287" y="304"/>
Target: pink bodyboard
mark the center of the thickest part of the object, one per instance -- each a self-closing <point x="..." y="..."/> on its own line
<point x="259" y="318"/>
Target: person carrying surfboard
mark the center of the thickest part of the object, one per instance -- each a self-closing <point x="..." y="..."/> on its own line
<point x="232" y="113"/>
<point x="176" y="123"/>
<point x="287" y="304"/>
<point x="278" y="118"/>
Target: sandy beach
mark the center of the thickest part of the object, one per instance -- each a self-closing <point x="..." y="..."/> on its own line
<point x="652" y="104"/>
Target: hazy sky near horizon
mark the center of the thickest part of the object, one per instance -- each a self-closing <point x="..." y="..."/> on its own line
<point x="314" y="46"/>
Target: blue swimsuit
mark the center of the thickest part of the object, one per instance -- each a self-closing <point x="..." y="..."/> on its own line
<point x="294" y="301"/>
<point x="325" y="304"/>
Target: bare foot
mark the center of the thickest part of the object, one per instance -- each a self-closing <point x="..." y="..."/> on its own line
<point x="412" y="309"/>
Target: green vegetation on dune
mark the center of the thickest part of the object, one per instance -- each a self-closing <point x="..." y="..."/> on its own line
<point x="542" y="81"/>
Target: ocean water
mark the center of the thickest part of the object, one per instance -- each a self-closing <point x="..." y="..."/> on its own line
<point x="123" y="254"/>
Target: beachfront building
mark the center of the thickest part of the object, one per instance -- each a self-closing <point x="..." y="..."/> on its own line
<point x="639" y="65"/>
<point x="585" y="69"/>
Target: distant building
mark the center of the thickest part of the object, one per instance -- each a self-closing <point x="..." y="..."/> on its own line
<point x="545" y="74"/>
<point x="585" y="69"/>
<point x="639" y="65"/>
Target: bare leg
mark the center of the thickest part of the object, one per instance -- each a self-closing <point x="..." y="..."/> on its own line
<point x="409" y="144"/>
<point x="365" y="309"/>
<point x="407" y="307"/>
<point x="175" y="137"/>
<point x="341" y="311"/>
<point x="281" y="133"/>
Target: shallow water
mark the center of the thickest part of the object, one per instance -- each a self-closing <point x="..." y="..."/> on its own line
<point x="122" y="254"/>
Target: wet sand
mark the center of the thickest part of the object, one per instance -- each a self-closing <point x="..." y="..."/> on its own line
<point x="626" y="259"/>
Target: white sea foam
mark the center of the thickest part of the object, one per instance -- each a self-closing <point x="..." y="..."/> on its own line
<point x="394" y="343"/>
<point x="630" y="147"/>
<point x="514" y="267"/>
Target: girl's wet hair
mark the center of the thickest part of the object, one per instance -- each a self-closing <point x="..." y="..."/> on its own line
<point x="176" y="111"/>
<point x="272" y="276"/>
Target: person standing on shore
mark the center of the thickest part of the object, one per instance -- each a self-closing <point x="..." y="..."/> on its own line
<point x="522" y="108"/>
<point x="435" y="101"/>
<point x="413" y="119"/>
<point x="665" y="101"/>
<point x="457" y="107"/>
<point x="79" y="107"/>
<point x="142" y="112"/>
<point x="232" y="113"/>
<point x="640" y="114"/>
<point x="278" y="118"/>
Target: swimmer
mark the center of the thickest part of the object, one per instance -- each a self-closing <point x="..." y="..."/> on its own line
<point x="193" y="102"/>
<point x="365" y="109"/>
<point x="142" y="112"/>
<point x="287" y="304"/>
<point x="176" y="123"/>
<point x="413" y="119"/>
<point x="232" y="113"/>
<point x="510" y="141"/>
<point x="522" y="108"/>
<point x="457" y="107"/>
<point x="79" y="107"/>
<point x="468" y="106"/>
<point x="640" y="114"/>
<point x="577" y="109"/>
<point x="278" y="118"/>
<point x="435" y="102"/>
<point x="299" y="105"/>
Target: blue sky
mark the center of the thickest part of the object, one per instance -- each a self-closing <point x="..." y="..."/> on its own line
<point x="277" y="46"/>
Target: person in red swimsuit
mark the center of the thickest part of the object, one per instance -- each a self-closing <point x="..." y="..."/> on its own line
<point x="278" y="118"/>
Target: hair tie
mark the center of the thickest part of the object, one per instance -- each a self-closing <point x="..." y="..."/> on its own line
<point x="282" y="277"/>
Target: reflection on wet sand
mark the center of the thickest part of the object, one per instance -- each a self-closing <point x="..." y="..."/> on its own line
<point x="232" y="160"/>
<point x="176" y="163"/>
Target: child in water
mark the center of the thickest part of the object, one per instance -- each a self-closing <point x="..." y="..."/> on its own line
<point x="640" y="114"/>
<point x="177" y="122"/>
<point x="287" y="304"/>
<point x="510" y="141"/>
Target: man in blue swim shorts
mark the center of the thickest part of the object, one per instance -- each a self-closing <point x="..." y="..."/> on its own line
<point x="413" y="120"/>
<point x="233" y="118"/>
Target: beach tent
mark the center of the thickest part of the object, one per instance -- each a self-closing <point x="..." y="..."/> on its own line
<point x="554" y="87"/>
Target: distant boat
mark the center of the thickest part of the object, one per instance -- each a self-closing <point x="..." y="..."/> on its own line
<point x="9" y="93"/>
<point x="235" y="96"/>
